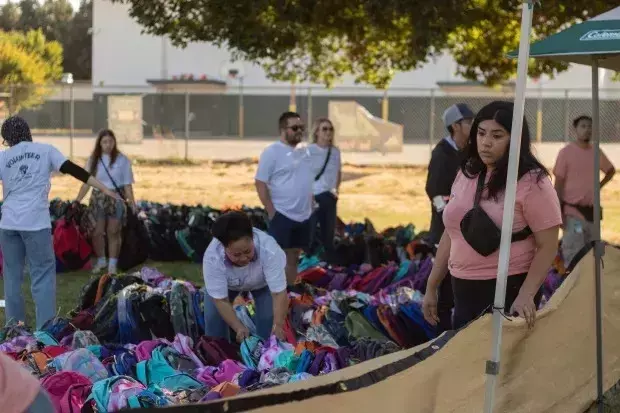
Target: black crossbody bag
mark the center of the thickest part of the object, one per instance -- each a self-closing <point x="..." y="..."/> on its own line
<point x="120" y="192"/>
<point x="480" y="231"/>
<point x="322" y="171"/>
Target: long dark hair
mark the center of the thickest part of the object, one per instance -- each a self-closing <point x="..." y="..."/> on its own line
<point x="95" y="156"/>
<point x="472" y="165"/>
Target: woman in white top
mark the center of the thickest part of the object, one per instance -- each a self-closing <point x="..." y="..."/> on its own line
<point x="26" y="168"/>
<point x="114" y="170"/>
<point x="241" y="258"/>
<point x="328" y="175"/>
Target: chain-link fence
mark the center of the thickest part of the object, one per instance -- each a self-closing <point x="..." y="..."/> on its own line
<point x="74" y="109"/>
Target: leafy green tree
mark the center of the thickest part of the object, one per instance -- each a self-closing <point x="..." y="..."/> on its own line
<point x="321" y="40"/>
<point x="28" y="65"/>
<point x="315" y="40"/>
<point x="480" y="46"/>
<point x="78" y="48"/>
<point x="57" y="20"/>
<point x="9" y="16"/>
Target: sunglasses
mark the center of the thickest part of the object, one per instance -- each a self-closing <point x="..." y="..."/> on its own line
<point x="296" y="128"/>
<point x="327" y="129"/>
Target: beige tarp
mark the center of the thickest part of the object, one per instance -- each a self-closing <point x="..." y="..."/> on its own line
<point x="551" y="368"/>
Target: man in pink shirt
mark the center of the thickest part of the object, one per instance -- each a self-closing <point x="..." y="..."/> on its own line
<point x="574" y="177"/>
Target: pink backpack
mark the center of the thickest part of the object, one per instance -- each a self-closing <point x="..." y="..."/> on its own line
<point x="58" y="384"/>
<point x="75" y="398"/>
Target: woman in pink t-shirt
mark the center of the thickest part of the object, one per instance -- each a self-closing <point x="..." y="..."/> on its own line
<point x="469" y="248"/>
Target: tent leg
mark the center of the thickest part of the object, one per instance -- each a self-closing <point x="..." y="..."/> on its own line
<point x="598" y="245"/>
<point x="493" y="364"/>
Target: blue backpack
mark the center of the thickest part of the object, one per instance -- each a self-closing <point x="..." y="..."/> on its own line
<point x="199" y="312"/>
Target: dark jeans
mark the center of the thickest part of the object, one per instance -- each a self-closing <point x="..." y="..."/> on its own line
<point x="290" y="234"/>
<point x="325" y="216"/>
<point x="445" y="303"/>
<point x="473" y="298"/>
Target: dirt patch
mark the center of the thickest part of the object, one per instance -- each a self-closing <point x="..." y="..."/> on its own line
<point x="387" y="195"/>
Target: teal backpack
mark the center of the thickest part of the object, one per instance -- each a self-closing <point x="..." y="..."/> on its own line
<point x="157" y="372"/>
<point x="101" y="391"/>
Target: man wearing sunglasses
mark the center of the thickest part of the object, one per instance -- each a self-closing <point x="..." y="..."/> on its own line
<point x="284" y="182"/>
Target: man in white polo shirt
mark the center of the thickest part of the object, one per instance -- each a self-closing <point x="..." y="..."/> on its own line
<point x="284" y="182"/>
<point x="242" y="258"/>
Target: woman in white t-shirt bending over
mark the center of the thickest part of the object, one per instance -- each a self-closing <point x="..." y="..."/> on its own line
<point x="327" y="167"/>
<point x="114" y="170"/>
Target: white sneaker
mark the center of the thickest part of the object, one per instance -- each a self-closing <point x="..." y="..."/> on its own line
<point x="112" y="269"/>
<point x="99" y="267"/>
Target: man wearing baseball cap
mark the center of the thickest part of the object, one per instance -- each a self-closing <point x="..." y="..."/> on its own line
<point x="442" y="170"/>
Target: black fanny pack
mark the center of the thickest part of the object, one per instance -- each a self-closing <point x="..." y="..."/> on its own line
<point x="586" y="210"/>
<point x="480" y="231"/>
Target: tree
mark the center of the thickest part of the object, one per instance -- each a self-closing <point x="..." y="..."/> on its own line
<point x="57" y="20"/>
<point x="78" y="48"/>
<point x="315" y="40"/>
<point x="321" y="40"/>
<point x="28" y="64"/>
<point x="480" y="47"/>
<point x="9" y="16"/>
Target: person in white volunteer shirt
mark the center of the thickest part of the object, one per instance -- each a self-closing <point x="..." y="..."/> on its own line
<point x="284" y="182"/>
<point x="328" y="175"/>
<point x="242" y="258"/>
<point x="26" y="168"/>
<point x="112" y="168"/>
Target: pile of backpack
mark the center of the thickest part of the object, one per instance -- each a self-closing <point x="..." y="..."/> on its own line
<point x="166" y="233"/>
<point x="137" y="340"/>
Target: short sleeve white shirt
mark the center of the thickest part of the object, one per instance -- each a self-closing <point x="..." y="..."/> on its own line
<point x="287" y="171"/>
<point x="25" y="171"/>
<point x="329" y="180"/>
<point x="266" y="269"/>
<point x="121" y="171"/>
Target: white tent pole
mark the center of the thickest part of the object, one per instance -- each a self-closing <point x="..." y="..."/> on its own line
<point x="598" y="246"/>
<point x="492" y="366"/>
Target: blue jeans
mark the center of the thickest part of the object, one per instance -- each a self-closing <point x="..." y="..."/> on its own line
<point x="215" y="326"/>
<point x="37" y="247"/>
<point x="325" y="216"/>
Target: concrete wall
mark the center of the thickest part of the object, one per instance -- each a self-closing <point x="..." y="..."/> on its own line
<point x="218" y="115"/>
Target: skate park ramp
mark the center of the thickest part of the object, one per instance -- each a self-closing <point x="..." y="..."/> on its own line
<point x="551" y="368"/>
<point x="357" y="130"/>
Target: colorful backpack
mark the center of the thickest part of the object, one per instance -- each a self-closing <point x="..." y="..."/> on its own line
<point x="81" y="361"/>
<point x="70" y="246"/>
<point x="46" y="338"/>
<point x="182" y="311"/>
<point x="59" y="383"/>
<point x="120" y="392"/>
<point x="251" y="351"/>
<point x="75" y="398"/>
<point x="35" y="361"/>
<point x="157" y="371"/>
<point x="212" y="350"/>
